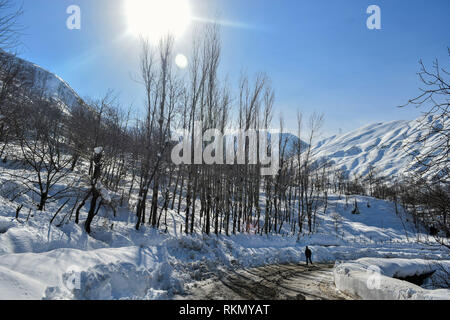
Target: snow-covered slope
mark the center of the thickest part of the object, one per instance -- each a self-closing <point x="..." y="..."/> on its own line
<point x="292" y="142"/>
<point x="40" y="78"/>
<point x="384" y="146"/>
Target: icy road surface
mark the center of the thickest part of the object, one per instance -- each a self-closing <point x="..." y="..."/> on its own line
<point x="273" y="282"/>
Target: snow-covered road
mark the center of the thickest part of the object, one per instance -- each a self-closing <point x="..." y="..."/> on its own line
<point x="273" y="282"/>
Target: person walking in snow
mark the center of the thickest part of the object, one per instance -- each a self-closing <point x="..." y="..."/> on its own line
<point x="308" y="255"/>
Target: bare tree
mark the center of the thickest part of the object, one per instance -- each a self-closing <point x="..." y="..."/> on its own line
<point x="434" y="101"/>
<point x="9" y="28"/>
<point x="162" y="95"/>
<point x="44" y="151"/>
<point x="430" y="202"/>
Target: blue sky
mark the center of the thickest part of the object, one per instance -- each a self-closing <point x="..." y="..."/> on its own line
<point x="319" y="54"/>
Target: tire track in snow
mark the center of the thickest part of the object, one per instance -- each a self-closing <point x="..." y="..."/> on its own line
<point x="273" y="282"/>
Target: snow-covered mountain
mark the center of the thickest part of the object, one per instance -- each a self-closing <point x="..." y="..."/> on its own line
<point x="387" y="147"/>
<point x="37" y="77"/>
<point x="292" y="142"/>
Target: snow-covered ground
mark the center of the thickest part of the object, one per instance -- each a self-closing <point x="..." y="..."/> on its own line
<point x="379" y="279"/>
<point x="60" y="261"/>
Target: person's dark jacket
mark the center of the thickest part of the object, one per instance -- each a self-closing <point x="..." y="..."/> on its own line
<point x="308" y="253"/>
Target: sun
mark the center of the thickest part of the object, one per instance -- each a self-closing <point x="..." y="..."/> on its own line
<point x="181" y="61"/>
<point x="154" y="19"/>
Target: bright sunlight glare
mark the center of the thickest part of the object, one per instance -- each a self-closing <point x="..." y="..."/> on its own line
<point x="181" y="61"/>
<point x="155" y="19"/>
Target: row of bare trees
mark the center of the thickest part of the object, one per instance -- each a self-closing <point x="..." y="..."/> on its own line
<point x="98" y="155"/>
<point x="89" y="150"/>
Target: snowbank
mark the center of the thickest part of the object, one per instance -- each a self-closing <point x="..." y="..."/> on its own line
<point x="160" y="270"/>
<point x="375" y="278"/>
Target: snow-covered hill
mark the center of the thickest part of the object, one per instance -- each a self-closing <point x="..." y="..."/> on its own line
<point x="384" y="146"/>
<point x="292" y="142"/>
<point x="39" y="78"/>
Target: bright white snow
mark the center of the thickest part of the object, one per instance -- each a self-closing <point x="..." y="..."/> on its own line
<point x="376" y="279"/>
<point x="385" y="146"/>
<point x="37" y="259"/>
